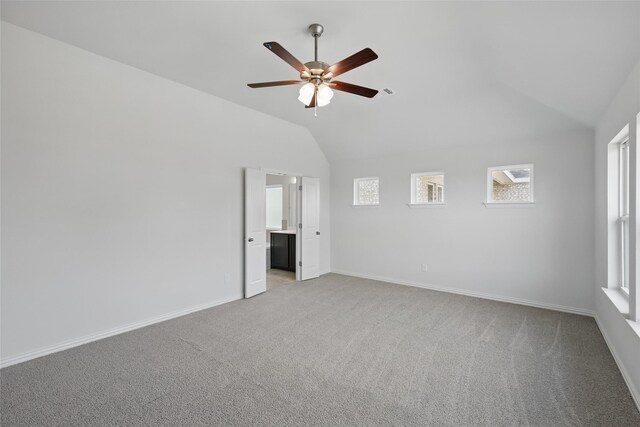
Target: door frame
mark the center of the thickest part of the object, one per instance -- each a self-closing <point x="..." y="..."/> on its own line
<point x="297" y="175"/>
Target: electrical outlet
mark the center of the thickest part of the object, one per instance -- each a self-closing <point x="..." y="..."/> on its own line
<point x="423" y="268"/>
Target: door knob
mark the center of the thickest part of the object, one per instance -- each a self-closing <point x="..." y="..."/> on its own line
<point x="250" y="239"/>
<point x="317" y="233"/>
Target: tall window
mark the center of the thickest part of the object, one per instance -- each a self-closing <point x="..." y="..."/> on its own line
<point x="623" y="213"/>
<point x="366" y="191"/>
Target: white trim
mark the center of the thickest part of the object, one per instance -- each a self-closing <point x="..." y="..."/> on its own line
<point x="635" y="326"/>
<point x="618" y="299"/>
<point x="269" y="171"/>
<point x="621" y="136"/>
<point x="623" y="210"/>
<point x="512" y="300"/>
<point x="29" y="355"/>
<point x="635" y="393"/>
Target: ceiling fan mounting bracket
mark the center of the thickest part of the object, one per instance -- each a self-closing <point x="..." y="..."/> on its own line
<point x="316" y="30"/>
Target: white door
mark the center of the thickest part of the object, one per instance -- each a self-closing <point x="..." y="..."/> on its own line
<point x="310" y="230"/>
<point x="255" y="232"/>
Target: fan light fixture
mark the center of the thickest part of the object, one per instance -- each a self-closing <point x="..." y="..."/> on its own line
<point x="317" y="76"/>
<point x="322" y="92"/>
<point x="306" y="93"/>
<point x="324" y="95"/>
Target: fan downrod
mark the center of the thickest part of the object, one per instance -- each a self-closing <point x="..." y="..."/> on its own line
<point x="316" y="69"/>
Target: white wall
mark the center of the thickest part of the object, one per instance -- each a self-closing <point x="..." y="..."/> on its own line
<point x="122" y="193"/>
<point x="541" y="254"/>
<point x="623" y="340"/>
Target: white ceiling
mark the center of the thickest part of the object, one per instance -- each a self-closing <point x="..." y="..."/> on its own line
<point x="464" y="73"/>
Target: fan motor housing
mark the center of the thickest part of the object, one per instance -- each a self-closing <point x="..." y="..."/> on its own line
<point x="316" y="69"/>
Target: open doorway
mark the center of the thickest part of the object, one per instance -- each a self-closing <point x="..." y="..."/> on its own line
<point x="281" y="196"/>
<point x="301" y="230"/>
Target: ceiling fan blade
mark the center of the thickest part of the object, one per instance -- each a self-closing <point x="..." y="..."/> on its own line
<point x="354" y="61"/>
<point x="286" y="56"/>
<point x="355" y="89"/>
<point x="280" y="83"/>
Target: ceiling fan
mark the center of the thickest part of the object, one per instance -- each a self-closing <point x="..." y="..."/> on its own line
<point x="317" y="75"/>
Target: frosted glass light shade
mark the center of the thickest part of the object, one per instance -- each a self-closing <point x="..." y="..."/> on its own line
<point x="324" y="95"/>
<point x="306" y="93"/>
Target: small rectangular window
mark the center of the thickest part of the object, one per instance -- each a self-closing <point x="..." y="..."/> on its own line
<point x="427" y="187"/>
<point x="366" y="191"/>
<point x="510" y="184"/>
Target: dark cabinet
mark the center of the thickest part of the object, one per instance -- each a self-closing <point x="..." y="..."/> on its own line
<point x="283" y="251"/>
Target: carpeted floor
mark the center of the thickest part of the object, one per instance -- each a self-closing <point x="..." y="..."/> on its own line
<point x="333" y="351"/>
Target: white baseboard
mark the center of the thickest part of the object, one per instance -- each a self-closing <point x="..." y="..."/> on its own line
<point x="635" y="393"/>
<point x="566" y="309"/>
<point x="13" y="360"/>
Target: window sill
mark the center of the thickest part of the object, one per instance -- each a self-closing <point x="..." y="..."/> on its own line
<point x="353" y="205"/>
<point x="426" y="205"/>
<point x="635" y="326"/>
<point x="619" y="299"/>
<point x="509" y="204"/>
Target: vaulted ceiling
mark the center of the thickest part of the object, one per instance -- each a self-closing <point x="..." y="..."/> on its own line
<point x="462" y="72"/>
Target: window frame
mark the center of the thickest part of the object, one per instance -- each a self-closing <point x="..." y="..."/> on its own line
<point x="436" y="187"/>
<point x="623" y="213"/>
<point x="489" y="195"/>
<point x="356" y="192"/>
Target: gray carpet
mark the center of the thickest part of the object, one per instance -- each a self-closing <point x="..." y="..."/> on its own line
<point x="333" y="351"/>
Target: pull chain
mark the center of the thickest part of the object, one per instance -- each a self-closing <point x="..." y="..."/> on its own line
<point x="315" y="96"/>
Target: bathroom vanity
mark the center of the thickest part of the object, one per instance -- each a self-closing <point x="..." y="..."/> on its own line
<point x="283" y="249"/>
